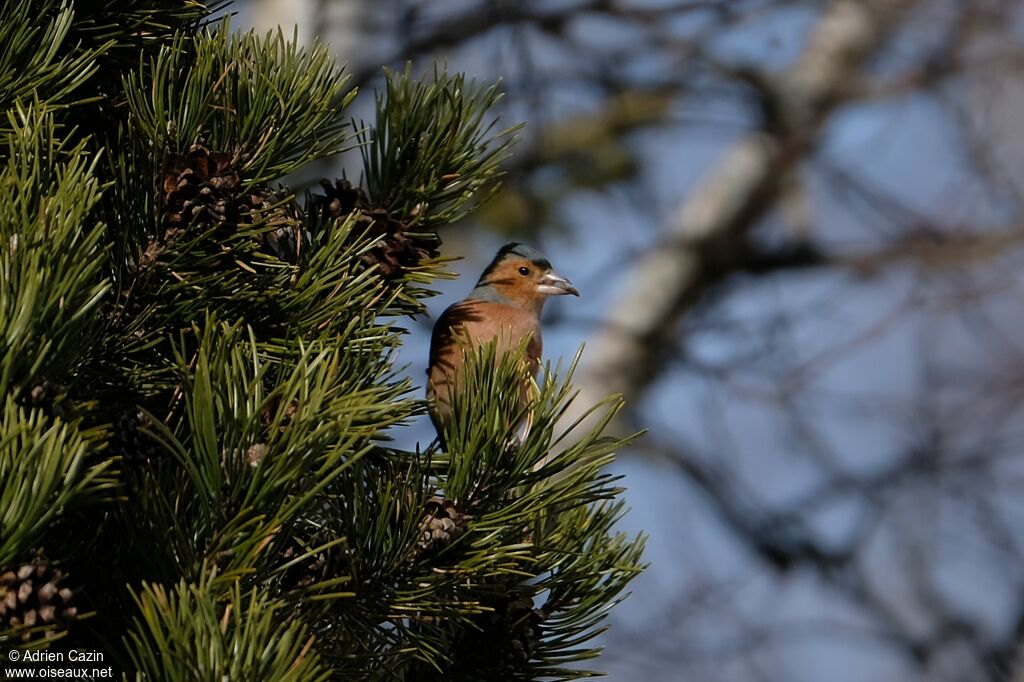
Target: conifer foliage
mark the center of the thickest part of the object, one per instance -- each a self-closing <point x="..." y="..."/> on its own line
<point x="197" y="380"/>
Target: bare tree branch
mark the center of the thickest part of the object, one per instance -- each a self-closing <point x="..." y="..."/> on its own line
<point x="699" y="247"/>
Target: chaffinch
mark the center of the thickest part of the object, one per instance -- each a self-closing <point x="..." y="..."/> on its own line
<point x="505" y="305"/>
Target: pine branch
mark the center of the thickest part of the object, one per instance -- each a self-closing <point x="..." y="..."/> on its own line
<point x="45" y="471"/>
<point x="271" y="105"/>
<point x="260" y="435"/>
<point x="196" y="632"/>
<point x="47" y="194"/>
<point x="129" y="28"/>
<point x="35" y="61"/>
<point x="448" y="578"/>
<point x="432" y="156"/>
<point x="242" y="371"/>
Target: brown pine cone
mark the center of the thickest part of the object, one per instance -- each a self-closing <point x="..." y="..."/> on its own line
<point x="399" y="248"/>
<point x="282" y="218"/>
<point x="442" y="524"/>
<point x="129" y="442"/>
<point x="32" y="600"/>
<point x="303" y="573"/>
<point x="198" y="185"/>
<point x="523" y="623"/>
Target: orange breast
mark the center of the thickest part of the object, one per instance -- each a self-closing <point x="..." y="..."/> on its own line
<point x="479" y="322"/>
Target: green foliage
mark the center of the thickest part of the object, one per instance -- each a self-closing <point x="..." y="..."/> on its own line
<point x="273" y="105"/>
<point x="191" y="633"/>
<point x="51" y="250"/>
<point x="260" y="435"/>
<point x="32" y="63"/>
<point x="542" y="519"/>
<point x="51" y="292"/>
<point x="44" y="472"/>
<point x="197" y="377"/>
<point x="132" y="27"/>
<point x="530" y="565"/>
<point x="431" y="154"/>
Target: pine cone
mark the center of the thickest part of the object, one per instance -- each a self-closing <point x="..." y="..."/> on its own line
<point x="198" y="185"/>
<point x="50" y="396"/>
<point x="506" y="637"/>
<point x="45" y="393"/>
<point x="270" y="411"/>
<point x="269" y="207"/>
<point x="32" y="600"/>
<point x="203" y="186"/>
<point x="303" y="573"/>
<point x="255" y="454"/>
<point x="340" y="199"/>
<point x="129" y="442"/>
<point x="398" y="249"/>
<point x="523" y="624"/>
<point x="442" y="524"/>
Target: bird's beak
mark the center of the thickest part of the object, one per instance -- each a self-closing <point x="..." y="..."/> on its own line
<point x="553" y="284"/>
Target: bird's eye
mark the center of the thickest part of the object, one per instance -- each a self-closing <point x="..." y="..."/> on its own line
<point x="524" y="271"/>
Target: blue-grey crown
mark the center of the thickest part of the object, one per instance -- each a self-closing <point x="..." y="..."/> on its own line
<point x="517" y="250"/>
<point x="523" y="251"/>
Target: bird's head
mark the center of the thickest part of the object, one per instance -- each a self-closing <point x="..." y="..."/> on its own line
<point x="520" y="275"/>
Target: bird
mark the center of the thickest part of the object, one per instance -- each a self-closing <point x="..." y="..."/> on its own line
<point x="504" y="306"/>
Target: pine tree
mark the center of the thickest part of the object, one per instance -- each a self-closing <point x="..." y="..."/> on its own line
<point x="197" y="373"/>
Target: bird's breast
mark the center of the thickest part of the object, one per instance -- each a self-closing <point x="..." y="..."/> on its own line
<point x="475" y="323"/>
<point x="506" y="325"/>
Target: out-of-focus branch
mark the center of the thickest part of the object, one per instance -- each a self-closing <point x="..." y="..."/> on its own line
<point x="925" y="249"/>
<point x="467" y="24"/>
<point x="463" y="26"/>
<point x="700" y="246"/>
<point x="783" y="540"/>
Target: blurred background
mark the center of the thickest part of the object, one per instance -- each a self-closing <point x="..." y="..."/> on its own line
<point x="798" y="229"/>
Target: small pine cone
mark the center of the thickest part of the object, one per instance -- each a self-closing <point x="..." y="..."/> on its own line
<point x="303" y="573"/>
<point x="283" y="219"/>
<point x="50" y="396"/>
<point x="197" y="186"/>
<point x="31" y="596"/>
<point x="442" y="524"/>
<point x="524" y="625"/>
<point x="129" y="442"/>
<point x="45" y="392"/>
<point x="270" y="412"/>
<point x="507" y="636"/>
<point x="340" y="199"/>
<point x="399" y="249"/>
